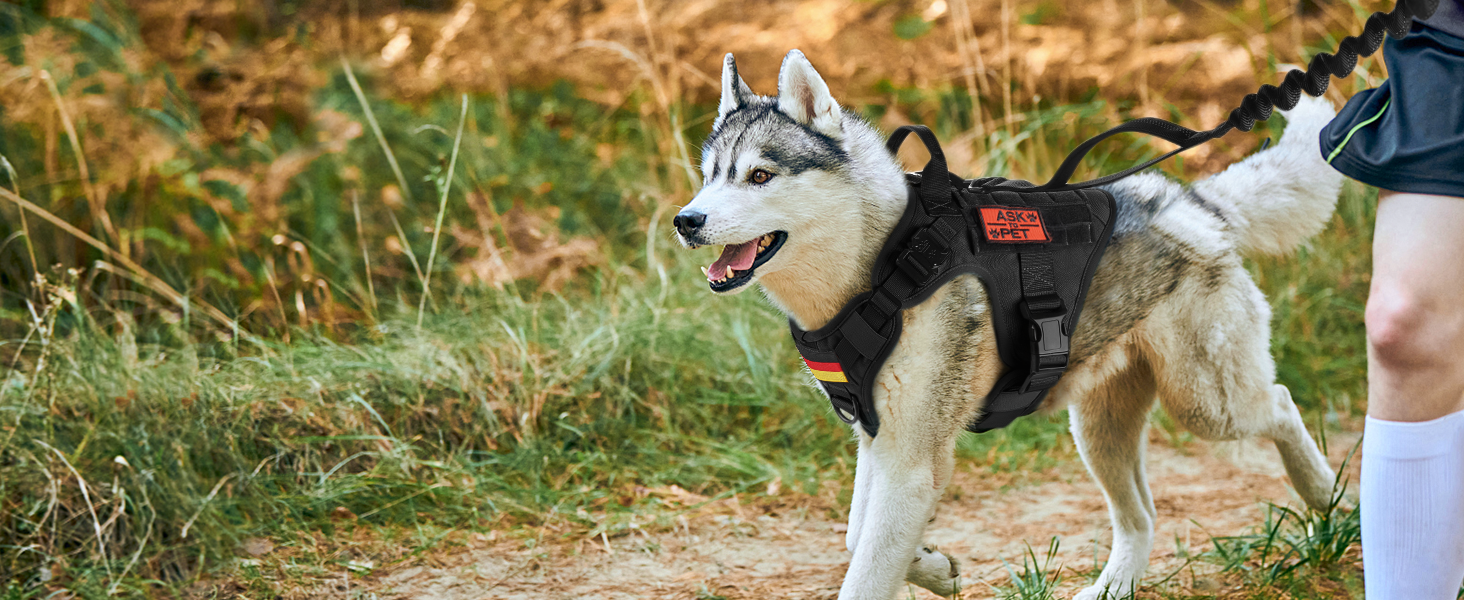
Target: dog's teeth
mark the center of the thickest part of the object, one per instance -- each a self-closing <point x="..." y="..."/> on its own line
<point x="730" y="274"/>
<point x="706" y="273"/>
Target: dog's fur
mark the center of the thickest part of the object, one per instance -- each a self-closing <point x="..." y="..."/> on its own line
<point x="1171" y="313"/>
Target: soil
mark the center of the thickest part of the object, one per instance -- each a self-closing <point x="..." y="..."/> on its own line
<point x="986" y="521"/>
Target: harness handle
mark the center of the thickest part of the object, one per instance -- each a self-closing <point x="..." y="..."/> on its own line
<point x="1185" y="137"/>
<point x="935" y="180"/>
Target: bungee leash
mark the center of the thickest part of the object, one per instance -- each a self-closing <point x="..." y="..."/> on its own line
<point x="1253" y="108"/>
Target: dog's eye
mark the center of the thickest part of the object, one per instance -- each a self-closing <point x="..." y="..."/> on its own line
<point x="759" y="176"/>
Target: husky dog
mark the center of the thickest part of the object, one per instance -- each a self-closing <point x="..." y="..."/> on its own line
<point x="803" y="194"/>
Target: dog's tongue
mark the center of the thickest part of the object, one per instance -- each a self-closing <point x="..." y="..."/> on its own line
<point x="737" y="256"/>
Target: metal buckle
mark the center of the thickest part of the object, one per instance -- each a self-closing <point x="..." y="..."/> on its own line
<point x="844" y="408"/>
<point x="924" y="256"/>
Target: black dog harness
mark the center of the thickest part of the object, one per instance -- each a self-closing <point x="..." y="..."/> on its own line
<point x="1036" y="251"/>
<point x="1035" y="248"/>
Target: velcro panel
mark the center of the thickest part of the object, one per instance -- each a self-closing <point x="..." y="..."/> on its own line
<point x="1081" y="233"/>
<point x="1097" y="199"/>
<point x="1038" y="198"/>
<point x="1068" y="197"/>
<point x="1065" y="214"/>
<point x="1010" y="198"/>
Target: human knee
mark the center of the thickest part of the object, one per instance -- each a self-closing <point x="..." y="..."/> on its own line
<point x="1406" y="329"/>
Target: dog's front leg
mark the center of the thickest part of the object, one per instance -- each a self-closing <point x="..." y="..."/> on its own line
<point x="864" y="463"/>
<point x="1108" y="427"/>
<point x="895" y="492"/>
<point x="930" y="568"/>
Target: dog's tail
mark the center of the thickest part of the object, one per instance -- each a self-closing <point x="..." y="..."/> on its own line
<point x="1280" y="196"/>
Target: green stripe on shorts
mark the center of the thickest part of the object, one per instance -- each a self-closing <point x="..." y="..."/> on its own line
<point x="1338" y="149"/>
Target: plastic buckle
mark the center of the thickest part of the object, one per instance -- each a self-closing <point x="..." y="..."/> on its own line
<point x="1048" y="341"/>
<point x="924" y="257"/>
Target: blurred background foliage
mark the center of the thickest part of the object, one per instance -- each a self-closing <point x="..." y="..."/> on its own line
<point x="270" y="267"/>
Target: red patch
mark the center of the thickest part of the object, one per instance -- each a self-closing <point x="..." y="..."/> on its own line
<point x="1012" y="225"/>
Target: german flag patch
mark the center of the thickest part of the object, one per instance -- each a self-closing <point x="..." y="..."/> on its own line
<point x="826" y="371"/>
<point x="1012" y="225"/>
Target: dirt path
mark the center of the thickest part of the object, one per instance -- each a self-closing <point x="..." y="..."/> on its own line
<point x="1204" y="490"/>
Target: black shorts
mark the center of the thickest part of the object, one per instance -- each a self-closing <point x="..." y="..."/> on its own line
<point x="1407" y="135"/>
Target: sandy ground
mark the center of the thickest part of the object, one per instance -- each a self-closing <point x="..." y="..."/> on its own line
<point x="1201" y="490"/>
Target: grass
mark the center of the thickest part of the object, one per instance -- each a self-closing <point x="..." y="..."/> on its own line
<point x="1298" y="551"/>
<point x="1036" y="580"/>
<point x="507" y="412"/>
<point x="1292" y="553"/>
<point x="503" y="415"/>
<point x="249" y="348"/>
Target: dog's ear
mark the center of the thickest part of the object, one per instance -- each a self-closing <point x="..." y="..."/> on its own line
<point x="804" y="96"/>
<point x="735" y="93"/>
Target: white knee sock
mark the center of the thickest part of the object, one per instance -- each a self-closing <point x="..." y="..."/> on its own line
<point x="1412" y="503"/>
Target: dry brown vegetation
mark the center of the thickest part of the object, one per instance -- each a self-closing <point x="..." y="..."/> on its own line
<point x="216" y="240"/>
<point x="1197" y="56"/>
<point x="225" y="74"/>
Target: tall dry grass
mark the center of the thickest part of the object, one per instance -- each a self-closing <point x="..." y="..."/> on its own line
<point x="218" y="326"/>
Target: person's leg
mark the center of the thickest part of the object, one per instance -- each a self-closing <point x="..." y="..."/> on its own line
<point x="1415" y="312"/>
<point x="1412" y="497"/>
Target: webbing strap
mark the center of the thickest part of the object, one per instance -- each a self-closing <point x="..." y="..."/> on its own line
<point x="1039" y="285"/>
<point x="1171" y="132"/>
<point x="935" y="180"/>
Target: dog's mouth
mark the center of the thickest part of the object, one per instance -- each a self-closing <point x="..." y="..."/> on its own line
<point x="739" y="262"/>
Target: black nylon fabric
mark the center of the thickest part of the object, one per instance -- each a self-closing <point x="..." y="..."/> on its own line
<point x="1031" y="286"/>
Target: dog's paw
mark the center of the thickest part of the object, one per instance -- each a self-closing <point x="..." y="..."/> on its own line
<point x="935" y="571"/>
<point x="1114" y="591"/>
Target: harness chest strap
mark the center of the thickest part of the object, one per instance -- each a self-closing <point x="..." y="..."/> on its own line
<point x="1035" y="252"/>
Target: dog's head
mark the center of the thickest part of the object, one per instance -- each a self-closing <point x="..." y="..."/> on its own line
<point x="774" y="169"/>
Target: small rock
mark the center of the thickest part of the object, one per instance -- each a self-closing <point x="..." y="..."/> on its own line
<point x="1206" y="586"/>
<point x="258" y="546"/>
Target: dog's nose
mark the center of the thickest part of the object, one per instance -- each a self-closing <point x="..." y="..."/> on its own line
<point x="688" y="222"/>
